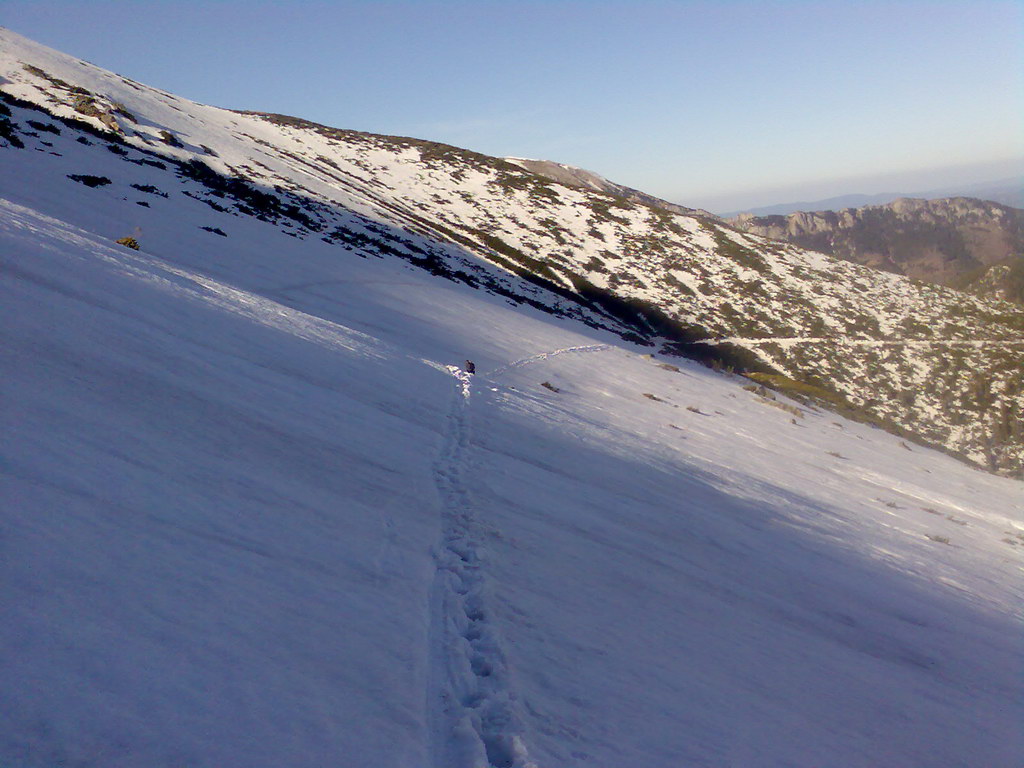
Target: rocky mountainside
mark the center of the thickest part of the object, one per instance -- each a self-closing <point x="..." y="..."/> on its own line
<point x="974" y="245"/>
<point x="929" y="362"/>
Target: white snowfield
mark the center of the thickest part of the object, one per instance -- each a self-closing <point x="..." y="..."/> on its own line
<point x="256" y="514"/>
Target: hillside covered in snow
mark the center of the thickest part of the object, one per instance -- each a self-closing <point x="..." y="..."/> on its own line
<point x="935" y="364"/>
<point x="257" y="513"/>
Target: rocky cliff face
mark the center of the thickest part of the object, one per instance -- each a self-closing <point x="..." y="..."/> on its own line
<point x="923" y="360"/>
<point x="954" y="241"/>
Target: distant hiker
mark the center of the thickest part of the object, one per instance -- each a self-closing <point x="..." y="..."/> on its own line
<point x="470" y="366"/>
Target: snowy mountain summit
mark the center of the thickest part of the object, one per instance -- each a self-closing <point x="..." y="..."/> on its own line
<point x="258" y="512"/>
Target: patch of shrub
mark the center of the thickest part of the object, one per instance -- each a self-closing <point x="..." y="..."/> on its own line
<point x="44" y="127"/>
<point x="89" y="180"/>
<point x="798" y="390"/>
<point x="86" y="105"/>
<point x="170" y="139"/>
<point x="740" y="254"/>
<point x="111" y="133"/>
<point x="8" y="132"/>
<point x="251" y="201"/>
<point x="32" y="70"/>
<point x="149" y="189"/>
<point x="787" y="408"/>
<point x="120" y="109"/>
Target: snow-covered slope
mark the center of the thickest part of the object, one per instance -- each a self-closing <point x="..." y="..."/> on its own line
<point x="255" y="513"/>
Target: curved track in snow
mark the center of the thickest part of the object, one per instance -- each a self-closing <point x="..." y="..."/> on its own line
<point x="473" y="710"/>
<point x="544" y="356"/>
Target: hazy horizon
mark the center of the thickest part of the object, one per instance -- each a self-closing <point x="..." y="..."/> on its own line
<point x="716" y="105"/>
<point x="926" y="180"/>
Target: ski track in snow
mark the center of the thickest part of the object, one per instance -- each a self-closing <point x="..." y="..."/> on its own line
<point x="474" y="718"/>
<point x="545" y="355"/>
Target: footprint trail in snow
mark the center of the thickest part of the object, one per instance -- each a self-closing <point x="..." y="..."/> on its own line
<point x="475" y="714"/>
<point x="476" y="726"/>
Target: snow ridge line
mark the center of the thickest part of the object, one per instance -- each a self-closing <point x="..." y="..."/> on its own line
<point x="474" y="720"/>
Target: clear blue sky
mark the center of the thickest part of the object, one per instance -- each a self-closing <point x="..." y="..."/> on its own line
<point x="714" y="104"/>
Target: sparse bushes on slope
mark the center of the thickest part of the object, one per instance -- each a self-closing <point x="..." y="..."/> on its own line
<point x="170" y="139"/>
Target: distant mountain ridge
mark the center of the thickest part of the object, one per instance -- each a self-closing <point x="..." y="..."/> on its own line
<point x="970" y="244"/>
<point x="1007" y="191"/>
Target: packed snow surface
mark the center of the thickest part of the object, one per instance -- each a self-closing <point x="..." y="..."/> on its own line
<point x="256" y="513"/>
